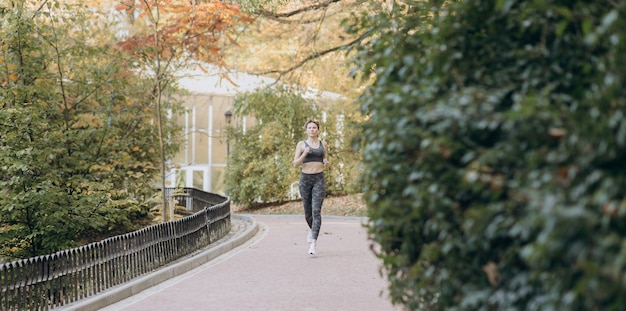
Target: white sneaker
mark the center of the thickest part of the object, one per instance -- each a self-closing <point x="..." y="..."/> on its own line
<point x="312" y="249"/>
<point x="309" y="238"/>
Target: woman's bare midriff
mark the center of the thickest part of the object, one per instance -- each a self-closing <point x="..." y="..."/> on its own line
<point x="312" y="167"/>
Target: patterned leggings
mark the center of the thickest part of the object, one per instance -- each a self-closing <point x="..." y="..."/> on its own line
<point x="313" y="190"/>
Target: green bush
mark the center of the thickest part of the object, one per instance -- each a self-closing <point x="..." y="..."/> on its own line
<point x="260" y="166"/>
<point x="494" y="152"/>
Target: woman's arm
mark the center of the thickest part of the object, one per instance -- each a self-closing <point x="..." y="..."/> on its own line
<point x="325" y="161"/>
<point x="300" y="154"/>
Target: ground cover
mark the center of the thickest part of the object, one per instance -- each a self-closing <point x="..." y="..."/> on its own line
<point x="349" y="205"/>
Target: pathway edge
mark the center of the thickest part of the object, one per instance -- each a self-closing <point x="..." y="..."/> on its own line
<point x="142" y="283"/>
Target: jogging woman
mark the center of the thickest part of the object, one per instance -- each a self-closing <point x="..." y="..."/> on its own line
<point x="311" y="155"/>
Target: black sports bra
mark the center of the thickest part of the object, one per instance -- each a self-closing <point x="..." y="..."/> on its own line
<point x="315" y="154"/>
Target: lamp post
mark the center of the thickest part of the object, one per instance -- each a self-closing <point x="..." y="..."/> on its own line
<point x="228" y="115"/>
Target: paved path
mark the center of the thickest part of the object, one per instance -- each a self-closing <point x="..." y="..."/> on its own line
<point x="271" y="270"/>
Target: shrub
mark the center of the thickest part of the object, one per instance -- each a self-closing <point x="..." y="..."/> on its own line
<point x="494" y="153"/>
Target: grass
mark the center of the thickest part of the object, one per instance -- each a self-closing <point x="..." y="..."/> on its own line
<point x="350" y="205"/>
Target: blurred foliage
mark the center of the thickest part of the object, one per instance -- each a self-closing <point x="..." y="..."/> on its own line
<point x="77" y="131"/>
<point x="494" y="152"/>
<point x="300" y="42"/>
<point x="260" y="164"/>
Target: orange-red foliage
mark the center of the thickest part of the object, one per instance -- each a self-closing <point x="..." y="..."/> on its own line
<point x="185" y="29"/>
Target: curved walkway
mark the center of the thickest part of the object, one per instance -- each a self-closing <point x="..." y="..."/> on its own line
<point x="263" y="265"/>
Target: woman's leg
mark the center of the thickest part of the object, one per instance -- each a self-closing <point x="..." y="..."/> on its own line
<point x="306" y="192"/>
<point x="318" y="194"/>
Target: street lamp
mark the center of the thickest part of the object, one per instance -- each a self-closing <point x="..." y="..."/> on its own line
<point x="228" y="115"/>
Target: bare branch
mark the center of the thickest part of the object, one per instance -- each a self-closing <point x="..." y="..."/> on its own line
<point x="39" y="9"/>
<point x="300" y="10"/>
<point x="313" y="56"/>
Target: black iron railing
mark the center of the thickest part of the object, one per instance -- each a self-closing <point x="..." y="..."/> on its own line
<point x="50" y="281"/>
<point x="192" y="199"/>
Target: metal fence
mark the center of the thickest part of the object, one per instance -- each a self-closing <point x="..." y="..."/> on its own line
<point x="192" y="199"/>
<point x="50" y="281"/>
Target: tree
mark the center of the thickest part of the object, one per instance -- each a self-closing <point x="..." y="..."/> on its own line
<point x="166" y="36"/>
<point x="300" y="42"/>
<point x="494" y="151"/>
<point x="259" y="164"/>
<point x="77" y="157"/>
